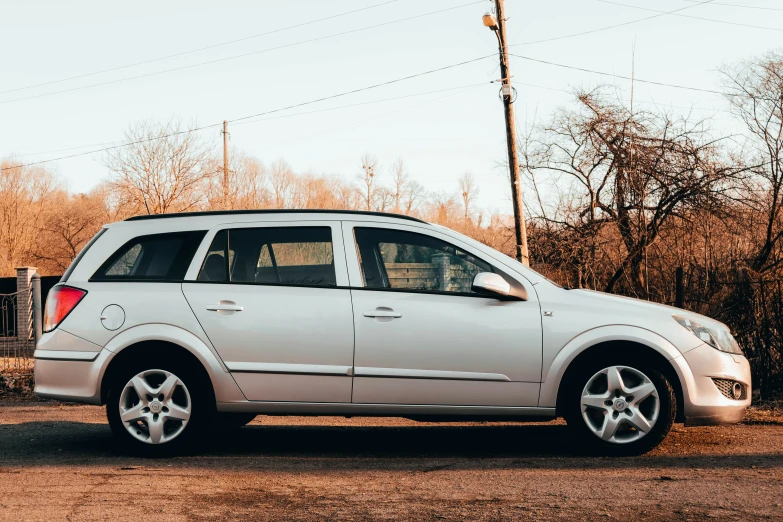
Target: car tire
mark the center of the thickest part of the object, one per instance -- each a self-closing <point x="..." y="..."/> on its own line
<point x="161" y="408"/>
<point x="229" y="421"/>
<point x="620" y="407"/>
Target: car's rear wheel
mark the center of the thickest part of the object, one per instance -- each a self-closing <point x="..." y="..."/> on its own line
<point x="159" y="410"/>
<point x="620" y="409"/>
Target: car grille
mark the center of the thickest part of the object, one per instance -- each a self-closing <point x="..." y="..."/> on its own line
<point x="725" y="387"/>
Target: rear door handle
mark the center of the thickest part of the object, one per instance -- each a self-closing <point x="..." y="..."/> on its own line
<point x="225" y="306"/>
<point x="383" y="312"/>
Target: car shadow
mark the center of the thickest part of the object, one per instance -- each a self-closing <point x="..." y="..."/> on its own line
<point x="544" y="446"/>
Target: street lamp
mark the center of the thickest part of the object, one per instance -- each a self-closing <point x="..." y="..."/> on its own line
<point x="490" y="21"/>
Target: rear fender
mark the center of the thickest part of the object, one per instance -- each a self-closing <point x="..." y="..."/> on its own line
<point x="226" y="389"/>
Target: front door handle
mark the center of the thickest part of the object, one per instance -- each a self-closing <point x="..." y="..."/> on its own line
<point x="225" y="306"/>
<point x="383" y="312"/>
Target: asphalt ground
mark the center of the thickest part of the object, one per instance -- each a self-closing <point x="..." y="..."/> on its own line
<point x="58" y="462"/>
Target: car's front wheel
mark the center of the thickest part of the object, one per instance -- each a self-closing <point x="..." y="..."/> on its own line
<point x="620" y="409"/>
<point x="158" y="410"/>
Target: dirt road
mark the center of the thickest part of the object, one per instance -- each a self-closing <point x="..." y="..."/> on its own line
<point x="57" y="462"/>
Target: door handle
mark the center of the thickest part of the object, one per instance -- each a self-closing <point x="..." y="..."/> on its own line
<point x="225" y="306"/>
<point x="383" y="312"/>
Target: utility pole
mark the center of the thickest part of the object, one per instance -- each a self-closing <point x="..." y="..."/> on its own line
<point x="498" y="24"/>
<point x="225" y="163"/>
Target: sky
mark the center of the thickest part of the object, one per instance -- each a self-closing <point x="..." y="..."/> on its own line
<point x="441" y="124"/>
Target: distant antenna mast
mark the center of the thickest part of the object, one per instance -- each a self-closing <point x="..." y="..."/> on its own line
<point x="225" y="164"/>
<point x="633" y="72"/>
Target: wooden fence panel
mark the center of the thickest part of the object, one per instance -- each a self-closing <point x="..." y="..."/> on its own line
<point x="427" y="276"/>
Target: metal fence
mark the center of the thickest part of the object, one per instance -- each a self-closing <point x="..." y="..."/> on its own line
<point x="20" y="327"/>
<point x="16" y="347"/>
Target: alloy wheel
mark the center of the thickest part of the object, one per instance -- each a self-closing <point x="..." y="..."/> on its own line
<point x="620" y="404"/>
<point x="155" y="406"/>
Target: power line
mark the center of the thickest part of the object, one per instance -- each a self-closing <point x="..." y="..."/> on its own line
<point x="367" y="119"/>
<point x="191" y="51"/>
<point x="40" y="153"/>
<point x="366" y="88"/>
<point x="370" y="102"/>
<point x="691" y="16"/>
<point x="382" y="100"/>
<point x="656" y="104"/>
<point x="624" y="77"/>
<point x="744" y="6"/>
<point x="333" y="96"/>
<point x="591" y="31"/>
<point x="234" y="57"/>
<point x="645" y="102"/>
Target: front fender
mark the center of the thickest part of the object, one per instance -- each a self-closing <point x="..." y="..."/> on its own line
<point x="553" y="375"/>
<point x="226" y="389"/>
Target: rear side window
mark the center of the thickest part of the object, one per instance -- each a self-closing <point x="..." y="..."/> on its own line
<point x="156" y="257"/>
<point x="271" y="255"/>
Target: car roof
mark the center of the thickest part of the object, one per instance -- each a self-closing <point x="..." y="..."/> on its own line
<point x="311" y="213"/>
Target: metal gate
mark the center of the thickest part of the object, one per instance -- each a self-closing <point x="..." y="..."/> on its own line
<point x="20" y="327"/>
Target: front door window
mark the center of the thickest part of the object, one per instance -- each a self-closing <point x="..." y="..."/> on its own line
<point x="405" y="260"/>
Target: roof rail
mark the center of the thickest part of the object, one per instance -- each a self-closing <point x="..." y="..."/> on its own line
<point x="273" y="211"/>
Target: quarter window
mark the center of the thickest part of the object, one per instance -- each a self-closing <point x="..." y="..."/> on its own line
<point x="156" y="257"/>
<point x="272" y="255"/>
<point x="406" y="260"/>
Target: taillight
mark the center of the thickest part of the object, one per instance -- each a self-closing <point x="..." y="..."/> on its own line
<point x="59" y="303"/>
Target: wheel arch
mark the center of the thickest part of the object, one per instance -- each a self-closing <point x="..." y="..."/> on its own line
<point x="159" y="339"/>
<point x="605" y="342"/>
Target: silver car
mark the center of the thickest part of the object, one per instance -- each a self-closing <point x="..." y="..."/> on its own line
<point x="185" y="323"/>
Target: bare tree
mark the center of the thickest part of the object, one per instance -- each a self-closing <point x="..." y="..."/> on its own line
<point x="384" y="199"/>
<point x="469" y="192"/>
<point x="368" y="181"/>
<point x="442" y="208"/>
<point x="164" y="168"/>
<point x="247" y="184"/>
<point x="25" y="193"/>
<point x="116" y="204"/>
<point x="317" y="191"/>
<point x="400" y="181"/>
<point x="754" y="89"/>
<point x="281" y="181"/>
<point x="67" y="224"/>
<point x="413" y="197"/>
<point x="629" y="172"/>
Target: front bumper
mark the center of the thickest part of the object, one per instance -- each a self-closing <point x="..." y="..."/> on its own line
<point x="703" y="402"/>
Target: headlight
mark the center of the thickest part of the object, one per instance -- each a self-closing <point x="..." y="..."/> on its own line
<point x="719" y="338"/>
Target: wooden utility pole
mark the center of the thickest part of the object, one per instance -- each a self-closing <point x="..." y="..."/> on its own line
<point x="225" y="163"/>
<point x="511" y="139"/>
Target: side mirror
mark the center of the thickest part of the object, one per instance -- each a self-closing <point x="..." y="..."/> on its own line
<point x="491" y="284"/>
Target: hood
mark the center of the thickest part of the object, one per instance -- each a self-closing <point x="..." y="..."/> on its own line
<point x="630" y="306"/>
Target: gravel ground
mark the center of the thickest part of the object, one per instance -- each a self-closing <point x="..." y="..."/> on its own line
<point x="57" y="462"/>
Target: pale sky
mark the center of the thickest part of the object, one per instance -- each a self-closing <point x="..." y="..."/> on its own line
<point x="439" y="135"/>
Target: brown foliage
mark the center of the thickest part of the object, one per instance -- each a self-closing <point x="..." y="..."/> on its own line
<point x="25" y="195"/>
